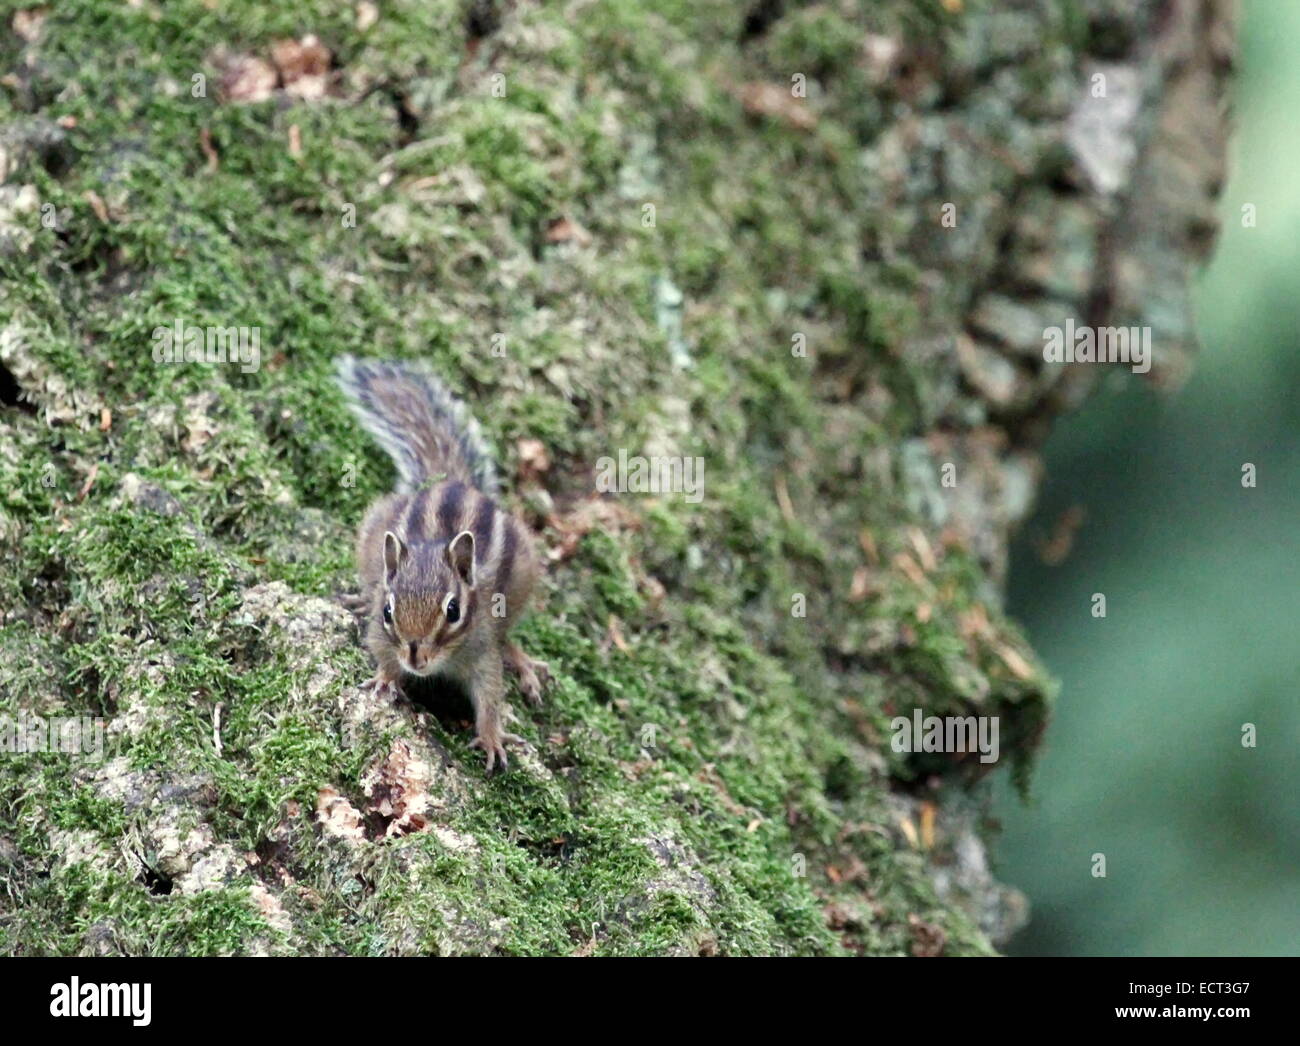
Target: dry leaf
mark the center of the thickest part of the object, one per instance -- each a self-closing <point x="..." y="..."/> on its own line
<point x="776" y="100"/>
<point x="533" y="459"/>
<point x="205" y="143"/>
<point x="246" y="78"/>
<point x="927" y="825"/>
<point x="97" y="205"/>
<point x="861" y="587"/>
<point x="783" y="498"/>
<point x="566" y="230"/>
<point x="905" y="564"/>
<point x="655" y="591"/>
<point x="868" y="543"/>
<point x="594" y="513"/>
<point x="909" y="831"/>
<point x="614" y="635"/>
<point x="90" y="482"/>
<point x="304" y="66"/>
<point x="924" y="550"/>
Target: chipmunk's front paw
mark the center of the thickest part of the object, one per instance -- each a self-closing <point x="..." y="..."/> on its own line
<point x="493" y="742"/>
<point x="383" y="686"/>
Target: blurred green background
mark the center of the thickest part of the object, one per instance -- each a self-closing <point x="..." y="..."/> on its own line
<point x="1144" y="761"/>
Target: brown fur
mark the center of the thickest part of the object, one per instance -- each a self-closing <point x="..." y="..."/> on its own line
<point x="446" y="541"/>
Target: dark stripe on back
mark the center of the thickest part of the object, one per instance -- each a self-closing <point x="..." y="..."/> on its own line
<point x="415" y="514"/>
<point x="449" y="506"/>
<point x="482" y="528"/>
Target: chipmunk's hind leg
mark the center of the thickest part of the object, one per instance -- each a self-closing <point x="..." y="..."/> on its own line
<point x="533" y="675"/>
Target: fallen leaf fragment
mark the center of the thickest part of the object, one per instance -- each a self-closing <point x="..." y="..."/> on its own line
<point x="614" y="635"/>
<point x="205" y="143"/>
<point x="304" y="66"/>
<point x="593" y="514"/>
<point x="247" y="78"/>
<point x="924" y="550"/>
<point x="905" y="564"/>
<point x="566" y="230"/>
<point x="90" y="482"/>
<point x="868" y="543"/>
<point x="783" y="498"/>
<point x="927" y="825"/>
<point x="776" y="101"/>
<point x="97" y="205"/>
<point x="533" y="459"/>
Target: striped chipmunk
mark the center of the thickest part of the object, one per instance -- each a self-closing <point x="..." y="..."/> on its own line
<point x="444" y="570"/>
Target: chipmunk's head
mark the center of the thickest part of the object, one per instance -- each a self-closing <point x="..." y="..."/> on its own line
<point x="428" y="599"/>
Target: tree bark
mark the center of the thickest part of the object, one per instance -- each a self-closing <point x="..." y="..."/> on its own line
<point x="815" y="248"/>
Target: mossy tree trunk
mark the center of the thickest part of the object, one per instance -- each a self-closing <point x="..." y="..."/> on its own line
<point x="815" y="246"/>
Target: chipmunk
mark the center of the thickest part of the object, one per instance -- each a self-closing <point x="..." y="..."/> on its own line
<point x="444" y="570"/>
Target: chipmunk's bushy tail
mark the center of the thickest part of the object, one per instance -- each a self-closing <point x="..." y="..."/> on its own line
<point x="427" y="431"/>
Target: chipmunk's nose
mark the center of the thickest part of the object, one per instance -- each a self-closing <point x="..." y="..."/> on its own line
<point x="417" y="659"/>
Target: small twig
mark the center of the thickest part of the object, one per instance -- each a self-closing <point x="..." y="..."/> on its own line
<point x="90" y="482"/>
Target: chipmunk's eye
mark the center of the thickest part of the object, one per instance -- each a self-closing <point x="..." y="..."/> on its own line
<point x="388" y="613"/>
<point x="453" y="611"/>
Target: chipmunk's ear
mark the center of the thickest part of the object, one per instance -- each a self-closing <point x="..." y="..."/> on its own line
<point x="394" y="553"/>
<point x="460" y="554"/>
